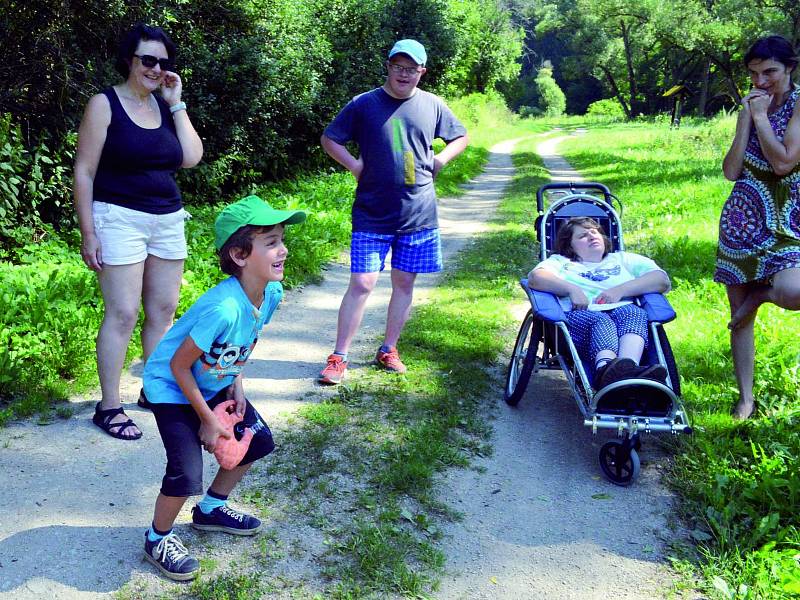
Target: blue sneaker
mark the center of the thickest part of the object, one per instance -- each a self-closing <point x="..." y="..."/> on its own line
<point x="171" y="557"/>
<point x="224" y="518"/>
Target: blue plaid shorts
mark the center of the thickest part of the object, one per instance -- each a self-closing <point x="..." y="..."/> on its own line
<point x="417" y="252"/>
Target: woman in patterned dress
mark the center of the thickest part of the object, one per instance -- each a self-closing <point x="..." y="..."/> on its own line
<point x="758" y="257"/>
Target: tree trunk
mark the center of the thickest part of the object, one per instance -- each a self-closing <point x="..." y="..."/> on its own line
<point x="634" y="110"/>
<point x="701" y="103"/>
<point x="614" y="88"/>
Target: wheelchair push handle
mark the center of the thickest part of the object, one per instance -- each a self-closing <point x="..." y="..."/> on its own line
<point x="573" y="186"/>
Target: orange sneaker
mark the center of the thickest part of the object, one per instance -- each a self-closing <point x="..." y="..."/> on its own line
<point x="334" y="371"/>
<point x="390" y="360"/>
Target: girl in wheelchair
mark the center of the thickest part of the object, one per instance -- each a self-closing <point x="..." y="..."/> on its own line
<point x="595" y="287"/>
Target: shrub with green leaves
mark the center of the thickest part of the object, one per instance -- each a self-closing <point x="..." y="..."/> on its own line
<point x="606" y="109"/>
<point x="552" y="101"/>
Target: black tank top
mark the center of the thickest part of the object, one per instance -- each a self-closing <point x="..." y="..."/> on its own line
<point x="137" y="167"/>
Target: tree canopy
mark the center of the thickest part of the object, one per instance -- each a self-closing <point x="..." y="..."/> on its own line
<point x="635" y="50"/>
<point x="261" y="78"/>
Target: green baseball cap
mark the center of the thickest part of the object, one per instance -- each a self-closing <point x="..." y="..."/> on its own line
<point x="251" y="211"/>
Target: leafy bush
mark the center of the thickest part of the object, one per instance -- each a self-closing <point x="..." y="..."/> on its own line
<point x="530" y="111"/>
<point x="50" y="318"/>
<point x="606" y="109"/>
<point x="551" y="99"/>
<point x="29" y="180"/>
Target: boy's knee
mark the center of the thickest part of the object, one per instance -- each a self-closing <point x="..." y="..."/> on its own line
<point x="182" y="484"/>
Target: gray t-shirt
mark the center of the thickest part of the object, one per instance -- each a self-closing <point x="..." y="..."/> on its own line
<point x="395" y="192"/>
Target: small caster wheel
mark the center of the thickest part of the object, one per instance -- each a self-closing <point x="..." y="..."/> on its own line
<point x="620" y="464"/>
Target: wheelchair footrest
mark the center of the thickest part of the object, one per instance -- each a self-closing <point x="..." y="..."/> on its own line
<point x="640" y="400"/>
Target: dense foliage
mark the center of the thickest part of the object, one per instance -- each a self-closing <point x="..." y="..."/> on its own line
<point x="635" y="50"/>
<point x="261" y="78"/>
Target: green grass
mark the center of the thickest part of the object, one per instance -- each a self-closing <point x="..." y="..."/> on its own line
<point x="739" y="482"/>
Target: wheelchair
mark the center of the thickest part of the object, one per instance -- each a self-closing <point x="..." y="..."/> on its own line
<point x="631" y="407"/>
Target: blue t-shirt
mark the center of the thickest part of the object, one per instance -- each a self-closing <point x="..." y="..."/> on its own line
<point x="395" y="192"/>
<point x="224" y="324"/>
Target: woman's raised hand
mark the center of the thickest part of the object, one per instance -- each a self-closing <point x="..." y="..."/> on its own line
<point x="171" y="88"/>
<point x="759" y="103"/>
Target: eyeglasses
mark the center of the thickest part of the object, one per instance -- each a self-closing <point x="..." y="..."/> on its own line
<point x="404" y="70"/>
<point x="151" y="61"/>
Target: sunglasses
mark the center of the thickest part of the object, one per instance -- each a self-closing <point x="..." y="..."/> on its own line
<point x="151" y="61"/>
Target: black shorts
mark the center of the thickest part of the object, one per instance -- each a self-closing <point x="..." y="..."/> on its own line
<point x="179" y="425"/>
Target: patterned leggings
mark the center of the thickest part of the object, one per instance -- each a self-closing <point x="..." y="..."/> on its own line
<point x="595" y="331"/>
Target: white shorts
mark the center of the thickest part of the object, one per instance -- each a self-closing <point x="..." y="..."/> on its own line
<point x="127" y="236"/>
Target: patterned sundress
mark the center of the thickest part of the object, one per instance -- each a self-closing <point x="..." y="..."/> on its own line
<point x="759" y="229"/>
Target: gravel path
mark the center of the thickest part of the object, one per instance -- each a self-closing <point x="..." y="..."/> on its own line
<point x="76" y="502"/>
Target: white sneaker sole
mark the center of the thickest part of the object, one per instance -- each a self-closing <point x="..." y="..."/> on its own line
<point x="170" y="574"/>
<point x="224" y="529"/>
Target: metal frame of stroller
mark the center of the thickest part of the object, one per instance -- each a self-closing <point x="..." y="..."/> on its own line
<point x="631" y="406"/>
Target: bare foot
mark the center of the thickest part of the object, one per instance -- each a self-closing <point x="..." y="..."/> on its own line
<point x="752" y="301"/>
<point x="744" y="409"/>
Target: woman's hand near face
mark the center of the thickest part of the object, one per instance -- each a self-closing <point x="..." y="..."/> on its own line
<point x="759" y="103"/>
<point x="171" y="88"/>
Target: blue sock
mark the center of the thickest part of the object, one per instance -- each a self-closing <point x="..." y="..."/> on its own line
<point x="386" y="348"/>
<point x="342" y="354"/>
<point x="211" y="501"/>
<point x="154" y="535"/>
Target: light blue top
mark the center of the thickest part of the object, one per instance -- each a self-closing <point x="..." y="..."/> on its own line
<point x="593" y="278"/>
<point x="224" y="324"/>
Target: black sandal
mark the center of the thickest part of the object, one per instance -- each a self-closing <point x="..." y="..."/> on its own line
<point x="102" y="418"/>
<point x="143" y="402"/>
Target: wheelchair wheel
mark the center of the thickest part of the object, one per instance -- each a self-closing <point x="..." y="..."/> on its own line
<point x="669" y="358"/>
<point x="619" y="462"/>
<point x="523" y="360"/>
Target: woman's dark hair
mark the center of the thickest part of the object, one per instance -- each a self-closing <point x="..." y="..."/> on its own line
<point x="242" y="239"/>
<point x="130" y="40"/>
<point x="563" y="245"/>
<point x="775" y="47"/>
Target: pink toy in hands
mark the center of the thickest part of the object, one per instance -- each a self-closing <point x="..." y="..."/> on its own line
<point x="230" y="452"/>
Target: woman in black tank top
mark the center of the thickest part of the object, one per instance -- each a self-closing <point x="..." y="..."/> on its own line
<point x="132" y="140"/>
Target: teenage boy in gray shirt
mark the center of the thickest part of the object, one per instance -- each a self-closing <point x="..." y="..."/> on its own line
<point x="394" y="127"/>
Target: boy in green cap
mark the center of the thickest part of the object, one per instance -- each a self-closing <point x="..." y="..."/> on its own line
<point x="198" y="365"/>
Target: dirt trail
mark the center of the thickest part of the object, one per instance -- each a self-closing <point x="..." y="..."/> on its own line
<point x="539" y="520"/>
<point x="76" y="502"/>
